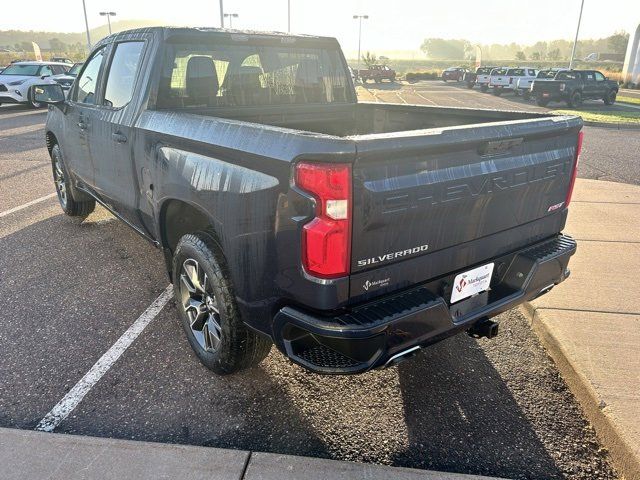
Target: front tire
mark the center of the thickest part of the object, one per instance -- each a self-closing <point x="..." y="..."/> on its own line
<point x="610" y="98"/>
<point x="208" y="310"/>
<point x="69" y="204"/>
<point x="526" y="95"/>
<point x="484" y="88"/>
<point x="497" y="92"/>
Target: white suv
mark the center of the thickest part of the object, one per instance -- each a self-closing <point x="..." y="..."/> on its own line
<point x="17" y="79"/>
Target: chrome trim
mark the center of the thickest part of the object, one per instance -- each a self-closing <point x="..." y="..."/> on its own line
<point x="402" y="354"/>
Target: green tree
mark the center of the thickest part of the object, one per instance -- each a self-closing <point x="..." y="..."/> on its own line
<point x="554" y="54"/>
<point x="369" y="59"/>
<point x="618" y="42"/>
<point x="439" y="48"/>
<point x="535" y="56"/>
<point x="57" y="45"/>
<point x="520" y="55"/>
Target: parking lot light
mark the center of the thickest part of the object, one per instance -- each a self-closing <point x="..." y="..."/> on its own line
<point x="360" y="18"/>
<point x="108" y="15"/>
<point x="231" y="16"/>
<point x="575" y="42"/>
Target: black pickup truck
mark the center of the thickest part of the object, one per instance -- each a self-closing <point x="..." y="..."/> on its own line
<point x="573" y="87"/>
<point x="349" y="234"/>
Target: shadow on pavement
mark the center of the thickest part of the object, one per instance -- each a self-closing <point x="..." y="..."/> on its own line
<point x="381" y="86"/>
<point x="461" y="417"/>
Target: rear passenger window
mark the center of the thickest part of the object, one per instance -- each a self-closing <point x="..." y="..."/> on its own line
<point x="88" y="81"/>
<point x="599" y="77"/>
<point x="122" y="74"/>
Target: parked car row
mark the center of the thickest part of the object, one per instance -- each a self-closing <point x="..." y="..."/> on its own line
<point x="549" y="85"/>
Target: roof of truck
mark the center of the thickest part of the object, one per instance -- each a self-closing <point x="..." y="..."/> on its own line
<point x="226" y="32"/>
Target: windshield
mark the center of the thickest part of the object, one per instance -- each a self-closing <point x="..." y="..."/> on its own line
<point x="223" y="75"/>
<point x="75" y="69"/>
<point x="484" y="70"/>
<point x="18" y="69"/>
<point x="516" y="72"/>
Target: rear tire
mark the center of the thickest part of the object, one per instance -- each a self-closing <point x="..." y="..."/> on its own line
<point x="208" y="310"/>
<point x="469" y="86"/>
<point x="526" y="95"/>
<point x="69" y="204"/>
<point x="575" y="101"/>
<point x="497" y="92"/>
<point x="484" y="88"/>
<point x="610" y="98"/>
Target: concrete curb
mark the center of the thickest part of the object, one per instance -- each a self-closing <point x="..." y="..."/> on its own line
<point x="613" y="126"/>
<point x="606" y="427"/>
<point x="27" y="454"/>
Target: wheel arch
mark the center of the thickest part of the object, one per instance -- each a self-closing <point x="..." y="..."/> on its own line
<point x="178" y="218"/>
<point x="50" y="140"/>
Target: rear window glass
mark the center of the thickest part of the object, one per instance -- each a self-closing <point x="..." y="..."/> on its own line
<point x="484" y="70"/>
<point x="227" y="75"/>
<point x="516" y="72"/>
<point x="499" y="71"/>
<point x="567" y="76"/>
<point x="547" y="74"/>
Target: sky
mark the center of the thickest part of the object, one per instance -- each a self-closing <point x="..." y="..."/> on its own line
<point x="392" y="25"/>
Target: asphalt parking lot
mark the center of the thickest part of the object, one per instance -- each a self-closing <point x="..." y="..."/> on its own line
<point x="69" y="289"/>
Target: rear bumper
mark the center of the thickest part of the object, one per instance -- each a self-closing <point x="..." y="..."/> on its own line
<point x="381" y="331"/>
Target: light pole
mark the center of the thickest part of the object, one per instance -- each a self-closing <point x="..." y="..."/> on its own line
<point x="231" y="16"/>
<point x="108" y="15"/>
<point x="575" y="42"/>
<point x="360" y="17"/>
<point x="289" y="16"/>
<point x="221" y="15"/>
<point x="86" y="24"/>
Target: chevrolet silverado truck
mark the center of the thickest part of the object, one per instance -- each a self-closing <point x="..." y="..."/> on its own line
<point x="349" y="234"/>
<point x="573" y="87"/>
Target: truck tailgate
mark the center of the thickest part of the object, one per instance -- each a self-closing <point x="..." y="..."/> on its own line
<point x="427" y="203"/>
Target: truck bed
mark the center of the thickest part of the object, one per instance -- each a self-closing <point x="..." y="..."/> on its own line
<point x="364" y="118"/>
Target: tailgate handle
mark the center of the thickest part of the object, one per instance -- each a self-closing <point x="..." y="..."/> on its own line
<point x="498" y="147"/>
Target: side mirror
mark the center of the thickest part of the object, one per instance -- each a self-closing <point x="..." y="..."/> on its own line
<point x="44" y="76"/>
<point x="51" y="94"/>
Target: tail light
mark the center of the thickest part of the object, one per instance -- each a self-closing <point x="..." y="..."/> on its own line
<point x="326" y="240"/>
<point x="575" y="168"/>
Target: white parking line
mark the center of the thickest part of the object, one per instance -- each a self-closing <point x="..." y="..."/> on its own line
<point x="71" y="400"/>
<point x="26" y="205"/>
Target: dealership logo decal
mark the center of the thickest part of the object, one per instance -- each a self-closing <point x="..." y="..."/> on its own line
<point x="376" y="283"/>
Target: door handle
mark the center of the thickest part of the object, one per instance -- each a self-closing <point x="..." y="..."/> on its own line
<point x="82" y="125"/>
<point x="119" y="137"/>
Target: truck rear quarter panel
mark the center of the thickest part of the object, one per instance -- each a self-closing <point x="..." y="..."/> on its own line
<point x="239" y="175"/>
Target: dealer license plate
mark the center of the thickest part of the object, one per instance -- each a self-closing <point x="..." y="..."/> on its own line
<point x="471" y="282"/>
